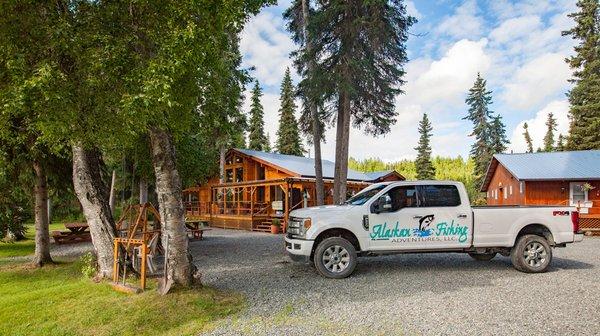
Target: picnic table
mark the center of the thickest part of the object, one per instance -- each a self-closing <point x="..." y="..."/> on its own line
<point x="77" y="232"/>
<point x="196" y="228"/>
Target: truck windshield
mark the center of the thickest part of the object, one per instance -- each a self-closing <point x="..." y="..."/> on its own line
<point x="363" y="196"/>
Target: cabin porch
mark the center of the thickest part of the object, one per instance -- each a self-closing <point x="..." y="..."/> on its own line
<point x="253" y="205"/>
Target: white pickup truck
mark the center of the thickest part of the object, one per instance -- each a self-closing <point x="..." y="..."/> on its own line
<point x="426" y="216"/>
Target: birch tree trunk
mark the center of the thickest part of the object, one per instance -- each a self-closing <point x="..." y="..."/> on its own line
<point x="222" y="152"/>
<point x="341" y="149"/>
<point x="42" y="234"/>
<point x="316" y="124"/>
<point x="111" y="197"/>
<point x="168" y="188"/>
<point x="143" y="190"/>
<point x="93" y="196"/>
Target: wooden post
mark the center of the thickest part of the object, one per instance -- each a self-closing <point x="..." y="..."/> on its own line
<point x="143" y="267"/>
<point x="115" y="262"/>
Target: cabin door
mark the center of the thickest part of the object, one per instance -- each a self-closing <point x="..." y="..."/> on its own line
<point x="296" y="198"/>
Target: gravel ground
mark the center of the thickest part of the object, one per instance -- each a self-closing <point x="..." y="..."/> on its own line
<point x="428" y="294"/>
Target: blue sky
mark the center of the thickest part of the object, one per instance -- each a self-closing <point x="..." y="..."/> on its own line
<point x="516" y="45"/>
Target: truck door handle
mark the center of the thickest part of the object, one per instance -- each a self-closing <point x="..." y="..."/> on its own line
<point x="417" y="217"/>
<point x="462" y="216"/>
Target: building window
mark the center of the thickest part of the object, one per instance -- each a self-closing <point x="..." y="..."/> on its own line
<point x="510" y="189"/>
<point x="495" y="193"/>
<point x="521" y="187"/>
<point x="505" y="193"/>
<point x="577" y="193"/>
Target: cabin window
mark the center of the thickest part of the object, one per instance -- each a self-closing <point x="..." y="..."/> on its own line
<point x="229" y="175"/>
<point x="505" y="193"/>
<point x="260" y="172"/>
<point x="521" y="187"/>
<point x="239" y="174"/>
<point x="238" y="159"/>
<point x="510" y="189"/>
<point x="495" y="193"/>
<point x="578" y="194"/>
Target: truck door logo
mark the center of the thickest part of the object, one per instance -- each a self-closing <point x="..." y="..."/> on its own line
<point x="424" y="229"/>
<point x="427" y="230"/>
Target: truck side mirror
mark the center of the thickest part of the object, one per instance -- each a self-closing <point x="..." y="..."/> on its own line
<point x="383" y="204"/>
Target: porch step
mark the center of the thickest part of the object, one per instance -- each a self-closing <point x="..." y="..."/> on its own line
<point x="262" y="227"/>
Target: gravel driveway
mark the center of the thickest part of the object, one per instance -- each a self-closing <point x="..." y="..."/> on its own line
<point x="401" y="294"/>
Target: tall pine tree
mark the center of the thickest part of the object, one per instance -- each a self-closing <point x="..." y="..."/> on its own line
<point x="256" y="137"/>
<point x="360" y="48"/>
<point x="549" y="137"/>
<point x="498" y="140"/>
<point x="527" y="138"/>
<point x="314" y="116"/>
<point x="425" y="169"/>
<point x="288" y="135"/>
<point x="585" y="95"/>
<point x="479" y="99"/>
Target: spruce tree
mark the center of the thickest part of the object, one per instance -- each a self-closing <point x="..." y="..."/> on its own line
<point x="288" y="135"/>
<point x="498" y="140"/>
<point x="585" y="95"/>
<point x="360" y="49"/>
<point x="560" y="145"/>
<point x="527" y="138"/>
<point x="425" y="169"/>
<point x="256" y="138"/>
<point x="479" y="99"/>
<point x="549" y="137"/>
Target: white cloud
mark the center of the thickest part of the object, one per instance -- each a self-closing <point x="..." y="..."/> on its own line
<point x="267" y="46"/>
<point x="534" y="82"/>
<point x="515" y="28"/>
<point x="445" y="81"/>
<point x="537" y="126"/>
<point x="505" y="9"/>
<point x="464" y="23"/>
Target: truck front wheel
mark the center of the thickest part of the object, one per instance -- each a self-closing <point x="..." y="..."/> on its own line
<point x="531" y="254"/>
<point x="335" y="258"/>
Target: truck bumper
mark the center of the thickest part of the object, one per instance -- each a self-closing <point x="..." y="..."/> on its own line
<point x="577" y="237"/>
<point x="299" y="250"/>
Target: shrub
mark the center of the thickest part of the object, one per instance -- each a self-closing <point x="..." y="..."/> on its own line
<point x="12" y="222"/>
<point x="88" y="265"/>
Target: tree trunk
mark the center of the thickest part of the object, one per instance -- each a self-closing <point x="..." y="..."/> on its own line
<point x="222" y="152"/>
<point x="111" y="197"/>
<point x="42" y="235"/>
<point x="341" y="149"/>
<point x="316" y="124"/>
<point x="168" y="188"/>
<point x="143" y="190"/>
<point x="93" y="196"/>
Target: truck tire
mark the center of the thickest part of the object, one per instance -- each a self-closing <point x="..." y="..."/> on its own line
<point x="483" y="256"/>
<point x="531" y="254"/>
<point x="335" y="258"/>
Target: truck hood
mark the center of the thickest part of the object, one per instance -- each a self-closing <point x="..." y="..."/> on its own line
<point x="324" y="210"/>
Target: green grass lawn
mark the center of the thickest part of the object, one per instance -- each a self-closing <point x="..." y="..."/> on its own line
<point x="26" y="246"/>
<point x="57" y="300"/>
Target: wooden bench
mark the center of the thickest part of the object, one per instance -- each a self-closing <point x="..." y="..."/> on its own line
<point x="68" y="237"/>
<point x="197" y="233"/>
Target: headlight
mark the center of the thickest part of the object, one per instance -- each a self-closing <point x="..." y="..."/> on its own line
<point x="298" y="226"/>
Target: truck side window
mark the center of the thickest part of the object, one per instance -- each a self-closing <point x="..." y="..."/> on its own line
<point x="403" y="197"/>
<point x="439" y="196"/>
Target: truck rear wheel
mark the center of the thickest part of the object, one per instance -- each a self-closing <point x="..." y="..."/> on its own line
<point x="335" y="258"/>
<point x="483" y="256"/>
<point x="531" y="254"/>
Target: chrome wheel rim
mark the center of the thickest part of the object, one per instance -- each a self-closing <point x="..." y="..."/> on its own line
<point x="535" y="254"/>
<point x="336" y="259"/>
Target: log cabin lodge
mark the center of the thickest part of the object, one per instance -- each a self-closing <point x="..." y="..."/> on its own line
<point x="551" y="178"/>
<point x="259" y="187"/>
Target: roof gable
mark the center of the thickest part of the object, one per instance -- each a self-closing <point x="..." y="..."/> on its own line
<point x="305" y="167"/>
<point x="573" y="165"/>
